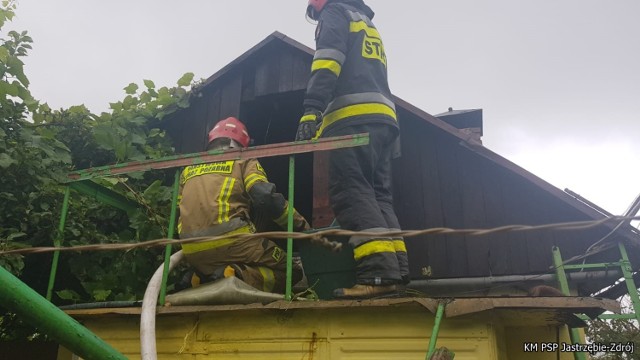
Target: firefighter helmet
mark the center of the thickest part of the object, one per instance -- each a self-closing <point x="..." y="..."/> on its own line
<point x="230" y="128"/>
<point x="315" y="7"/>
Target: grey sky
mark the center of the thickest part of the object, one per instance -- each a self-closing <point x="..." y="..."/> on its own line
<point x="559" y="81"/>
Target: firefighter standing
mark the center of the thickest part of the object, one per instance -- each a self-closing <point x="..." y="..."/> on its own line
<point x="347" y="94"/>
<point x="215" y="199"/>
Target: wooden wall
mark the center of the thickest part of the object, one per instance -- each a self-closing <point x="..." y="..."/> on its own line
<point x="439" y="182"/>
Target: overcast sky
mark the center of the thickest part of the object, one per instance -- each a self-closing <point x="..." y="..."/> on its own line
<point x="559" y="81"/>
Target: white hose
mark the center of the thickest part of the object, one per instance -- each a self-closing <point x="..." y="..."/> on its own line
<point x="148" y="316"/>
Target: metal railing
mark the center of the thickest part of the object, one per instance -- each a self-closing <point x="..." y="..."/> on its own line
<point x="81" y="181"/>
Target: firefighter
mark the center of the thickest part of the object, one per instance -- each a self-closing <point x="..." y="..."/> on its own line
<point x="348" y="94"/>
<point x="215" y="199"/>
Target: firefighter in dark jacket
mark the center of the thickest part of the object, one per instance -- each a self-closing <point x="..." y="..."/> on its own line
<point x="215" y="199"/>
<point x="347" y="94"/>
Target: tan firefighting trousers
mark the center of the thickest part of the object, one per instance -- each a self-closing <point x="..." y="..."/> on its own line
<point x="258" y="262"/>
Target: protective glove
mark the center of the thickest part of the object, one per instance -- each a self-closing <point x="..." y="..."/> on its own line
<point x="308" y="125"/>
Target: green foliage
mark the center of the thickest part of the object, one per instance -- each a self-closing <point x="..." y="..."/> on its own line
<point x="615" y="331"/>
<point x="39" y="146"/>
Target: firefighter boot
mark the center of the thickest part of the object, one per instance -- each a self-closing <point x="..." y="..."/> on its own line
<point x="360" y="291"/>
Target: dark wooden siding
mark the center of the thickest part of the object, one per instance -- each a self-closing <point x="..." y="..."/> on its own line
<point x="276" y="69"/>
<point x="440" y="182"/>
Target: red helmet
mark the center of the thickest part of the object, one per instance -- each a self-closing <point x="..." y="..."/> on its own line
<point x="315" y="7"/>
<point x="230" y="128"/>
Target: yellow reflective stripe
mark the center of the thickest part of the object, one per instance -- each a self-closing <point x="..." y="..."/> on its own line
<point x="310" y="117"/>
<point x="330" y="65"/>
<point x="250" y="180"/>
<point x="282" y="219"/>
<point x="358" y="109"/>
<point x="399" y="245"/>
<point x="356" y="26"/>
<point x="208" y="245"/>
<point x="373" y="247"/>
<point x="223" y="199"/>
<point x="268" y="279"/>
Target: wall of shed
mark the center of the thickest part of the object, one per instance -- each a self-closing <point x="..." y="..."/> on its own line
<point x="336" y="334"/>
<point x="440" y="182"/>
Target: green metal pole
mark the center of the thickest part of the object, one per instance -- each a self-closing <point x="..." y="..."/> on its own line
<point x="57" y="241"/>
<point x="628" y="276"/>
<point x="574" y="334"/>
<point x="170" y="233"/>
<point x="30" y="306"/>
<point x="435" y="331"/>
<point x="292" y="168"/>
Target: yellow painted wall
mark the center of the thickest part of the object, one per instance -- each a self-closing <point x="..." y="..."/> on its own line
<point x="357" y="333"/>
<point x="517" y="337"/>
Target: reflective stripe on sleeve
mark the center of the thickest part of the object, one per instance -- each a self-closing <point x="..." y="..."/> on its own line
<point x="358" y="26"/>
<point x="309" y="117"/>
<point x="250" y="180"/>
<point x="330" y="54"/>
<point x="330" y="65"/>
<point x="282" y="220"/>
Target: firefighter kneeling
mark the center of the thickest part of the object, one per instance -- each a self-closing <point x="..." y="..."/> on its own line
<point x="215" y="200"/>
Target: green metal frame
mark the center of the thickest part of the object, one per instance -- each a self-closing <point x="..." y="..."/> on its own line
<point x="81" y="181"/>
<point x="436" y="330"/>
<point x="627" y="271"/>
<point x="30" y="306"/>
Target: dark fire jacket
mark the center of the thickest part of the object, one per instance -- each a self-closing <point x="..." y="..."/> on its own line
<point x="349" y="71"/>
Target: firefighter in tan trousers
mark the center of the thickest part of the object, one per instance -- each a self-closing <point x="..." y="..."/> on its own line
<point x="215" y="199"/>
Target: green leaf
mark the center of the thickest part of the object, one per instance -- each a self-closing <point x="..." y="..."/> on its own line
<point x="16" y="235"/>
<point x="6" y="161"/>
<point x="9" y="89"/>
<point x="101" y="295"/>
<point x="68" y="295"/>
<point x="4" y="54"/>
<point x="165" y="99"/>
<point x="149" y="84"/>
<point x="116" y="106"/>
<point x="186" y="79"/>
<point x="131" y="88"/>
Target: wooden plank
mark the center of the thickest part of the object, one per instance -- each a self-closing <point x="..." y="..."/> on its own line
<point x="190" y="131"/>
<point x="322" y="215"/>
<point x="518" y="261"/>
<point x="286" y="71"/>
<point x="213" y="109"/>
<point x="432" y="203"/>
<point x="408" y="196"/>
<point x="492" y="178"/>
<point x="451" y="205"/>
<point x="473" y="211"/>
<point x="301" y="70"/>
<point x="248" y="82"/>
<point x="569" y="303"/>
<point x="230" y="97"/>
<point x="267" y="74"/>
<point x="539" y="210"/>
